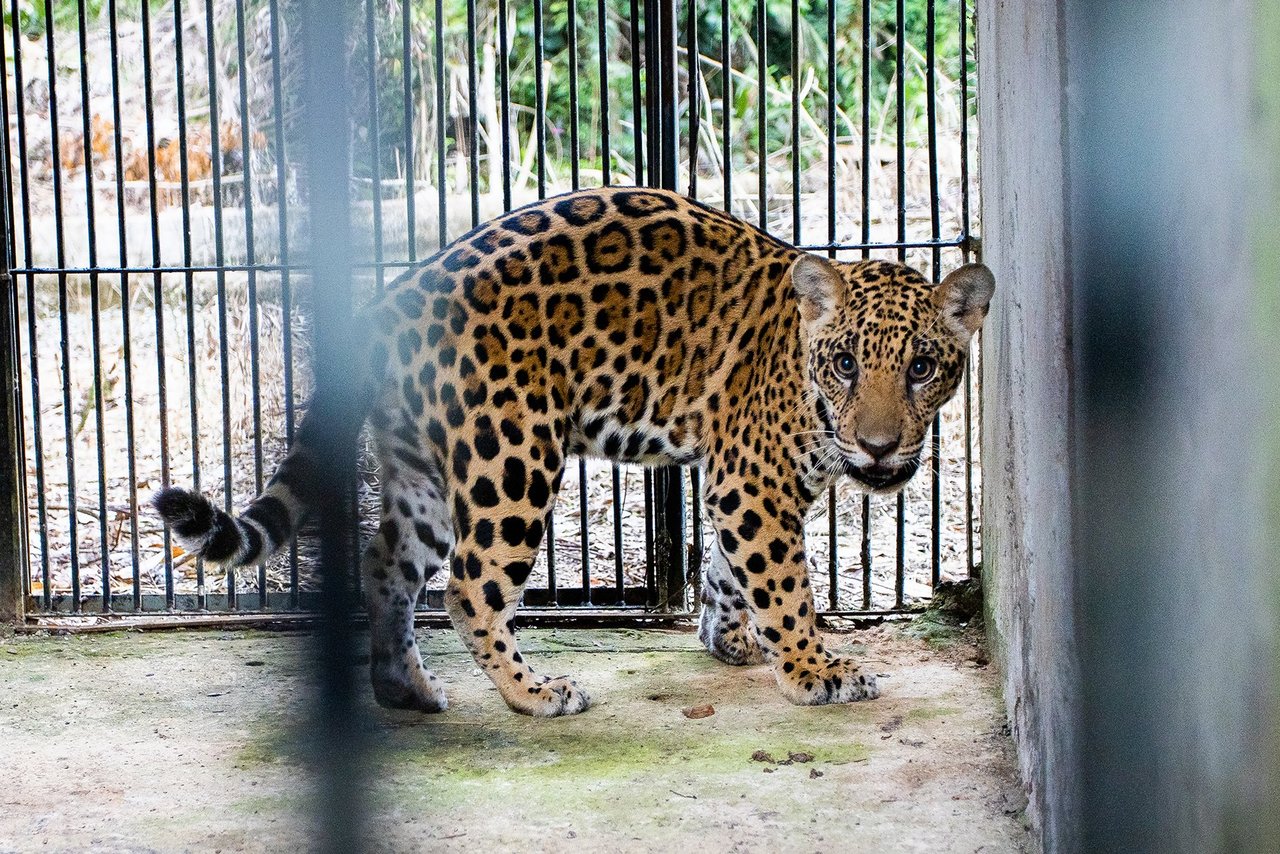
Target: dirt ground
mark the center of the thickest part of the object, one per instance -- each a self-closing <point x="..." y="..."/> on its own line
<point x="191" y="742"/>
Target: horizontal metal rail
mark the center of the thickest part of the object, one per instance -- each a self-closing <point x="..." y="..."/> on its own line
<point x="267" y="267"/>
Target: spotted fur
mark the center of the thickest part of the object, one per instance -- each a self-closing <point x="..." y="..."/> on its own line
<point x="643" y="327"/>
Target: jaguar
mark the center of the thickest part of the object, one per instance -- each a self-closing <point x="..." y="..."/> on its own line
<point x="639" y="326"/>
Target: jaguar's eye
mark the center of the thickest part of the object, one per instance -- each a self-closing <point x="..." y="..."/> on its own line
<point x="846" y="366"/>
<point x="922" y="369"/>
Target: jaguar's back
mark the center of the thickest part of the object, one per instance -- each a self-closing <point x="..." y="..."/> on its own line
<point x="640" y="326"/>
<point x="618" y="313"/>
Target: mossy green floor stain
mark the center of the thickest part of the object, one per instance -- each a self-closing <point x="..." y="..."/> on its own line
<point x="935" y="629"/>
<point x="925" y="713"/>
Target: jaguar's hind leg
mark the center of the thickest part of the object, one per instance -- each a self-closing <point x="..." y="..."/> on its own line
<point x="498" y="541"/>
<point x="724" y="625"/>
<point x="411" y="546"/>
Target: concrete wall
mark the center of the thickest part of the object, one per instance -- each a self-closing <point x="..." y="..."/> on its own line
<point x="1131" y="389"/>
<point x="1026" y="372"/>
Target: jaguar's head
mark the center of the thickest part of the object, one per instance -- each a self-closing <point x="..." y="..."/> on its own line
<point x="885" y="350"/>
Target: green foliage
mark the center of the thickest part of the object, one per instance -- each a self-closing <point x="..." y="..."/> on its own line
<point x="401" y="126"/>
<point x="781" y="79"/>
<point x="32" y="14"/>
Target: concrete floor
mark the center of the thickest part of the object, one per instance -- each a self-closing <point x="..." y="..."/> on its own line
<point x="189" y="741"/>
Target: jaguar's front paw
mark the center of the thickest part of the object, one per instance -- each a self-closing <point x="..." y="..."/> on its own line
<point x="816" y="680"/>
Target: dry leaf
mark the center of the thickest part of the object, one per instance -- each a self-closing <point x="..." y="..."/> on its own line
<point x="695" y="712"/>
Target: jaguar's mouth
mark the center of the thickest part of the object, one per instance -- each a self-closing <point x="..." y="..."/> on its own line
<point x="882" y="479"/>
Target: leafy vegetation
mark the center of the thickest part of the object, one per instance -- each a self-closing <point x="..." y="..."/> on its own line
<point x="764" y="75"/>
<point x="783" y="77"/>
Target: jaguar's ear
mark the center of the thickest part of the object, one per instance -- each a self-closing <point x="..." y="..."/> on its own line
<point x="964" y="296"/>
<point x="818" y="287"/>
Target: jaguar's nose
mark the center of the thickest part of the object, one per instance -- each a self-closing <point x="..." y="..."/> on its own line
<point x="877" y="447"/>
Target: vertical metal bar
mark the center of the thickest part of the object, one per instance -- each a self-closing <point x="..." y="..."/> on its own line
<point x="965" y="222"/>
<point x="762" y="113"/>
<point x="900" y="558"/>
<point x="832" y="153"/>
<point x="833" y="557"/>
<point x="540" y="98"/>
<point x="833" y="549"/>
<point x="55" y="148"/>
<point x="6" y="179"/>
<point x="584" y="532"/>
<point x="540" y="150"/>
<point x="184" y="169"/>
<point x="606" y="178"/>
<point x="251" y="254"/>
<point x="935" y="234"/>
<point x="968" y="470"/>
<point x="693" y="555"/>
<point x="653" y="70"/>
<point x="157" y="289"/>
<point x="95" y="313"/>
<point x="13" y="552"/>
<point x="286" y="290"/>
<point x="668" y="483"/>
<point x="900" y="47"/>
<point x="866" y="127"/>
<point x="606" y="155"/>
<point x="619" y="582"/>
<point x="694" y="73"/>
<point x="637" y="101"/>
<point x="966" y="239"/>
<point x="726" y="107"/>
<point x="375" y="138"/>
<point x="125" y="303"/>
<point x="696" y="546"/>
<point x="410" y="182"/>
<point x="900" y="113"/>
<point x="20" y="566"/>
<point x="442" y="205"/>
<point x="219" y="260"/>
<point x="795" y="121"/>
<point x="650" y="569"/>
<point x="571" y="27"/>
<point x="504" y="90"/>
<point x="473" y="120"/>
<point x="15" y="579"/>
<point x="13" y="557"/>
<point x="865" y="551"/>
<point x="574" y="152"/>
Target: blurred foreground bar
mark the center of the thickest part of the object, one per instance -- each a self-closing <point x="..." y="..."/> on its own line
<point x="325" y="125"/>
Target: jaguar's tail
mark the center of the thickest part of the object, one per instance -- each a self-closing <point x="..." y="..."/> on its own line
<point x="273" y="519"/>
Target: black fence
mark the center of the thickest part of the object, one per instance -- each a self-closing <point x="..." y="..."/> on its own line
<point x="158" y="278"/>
